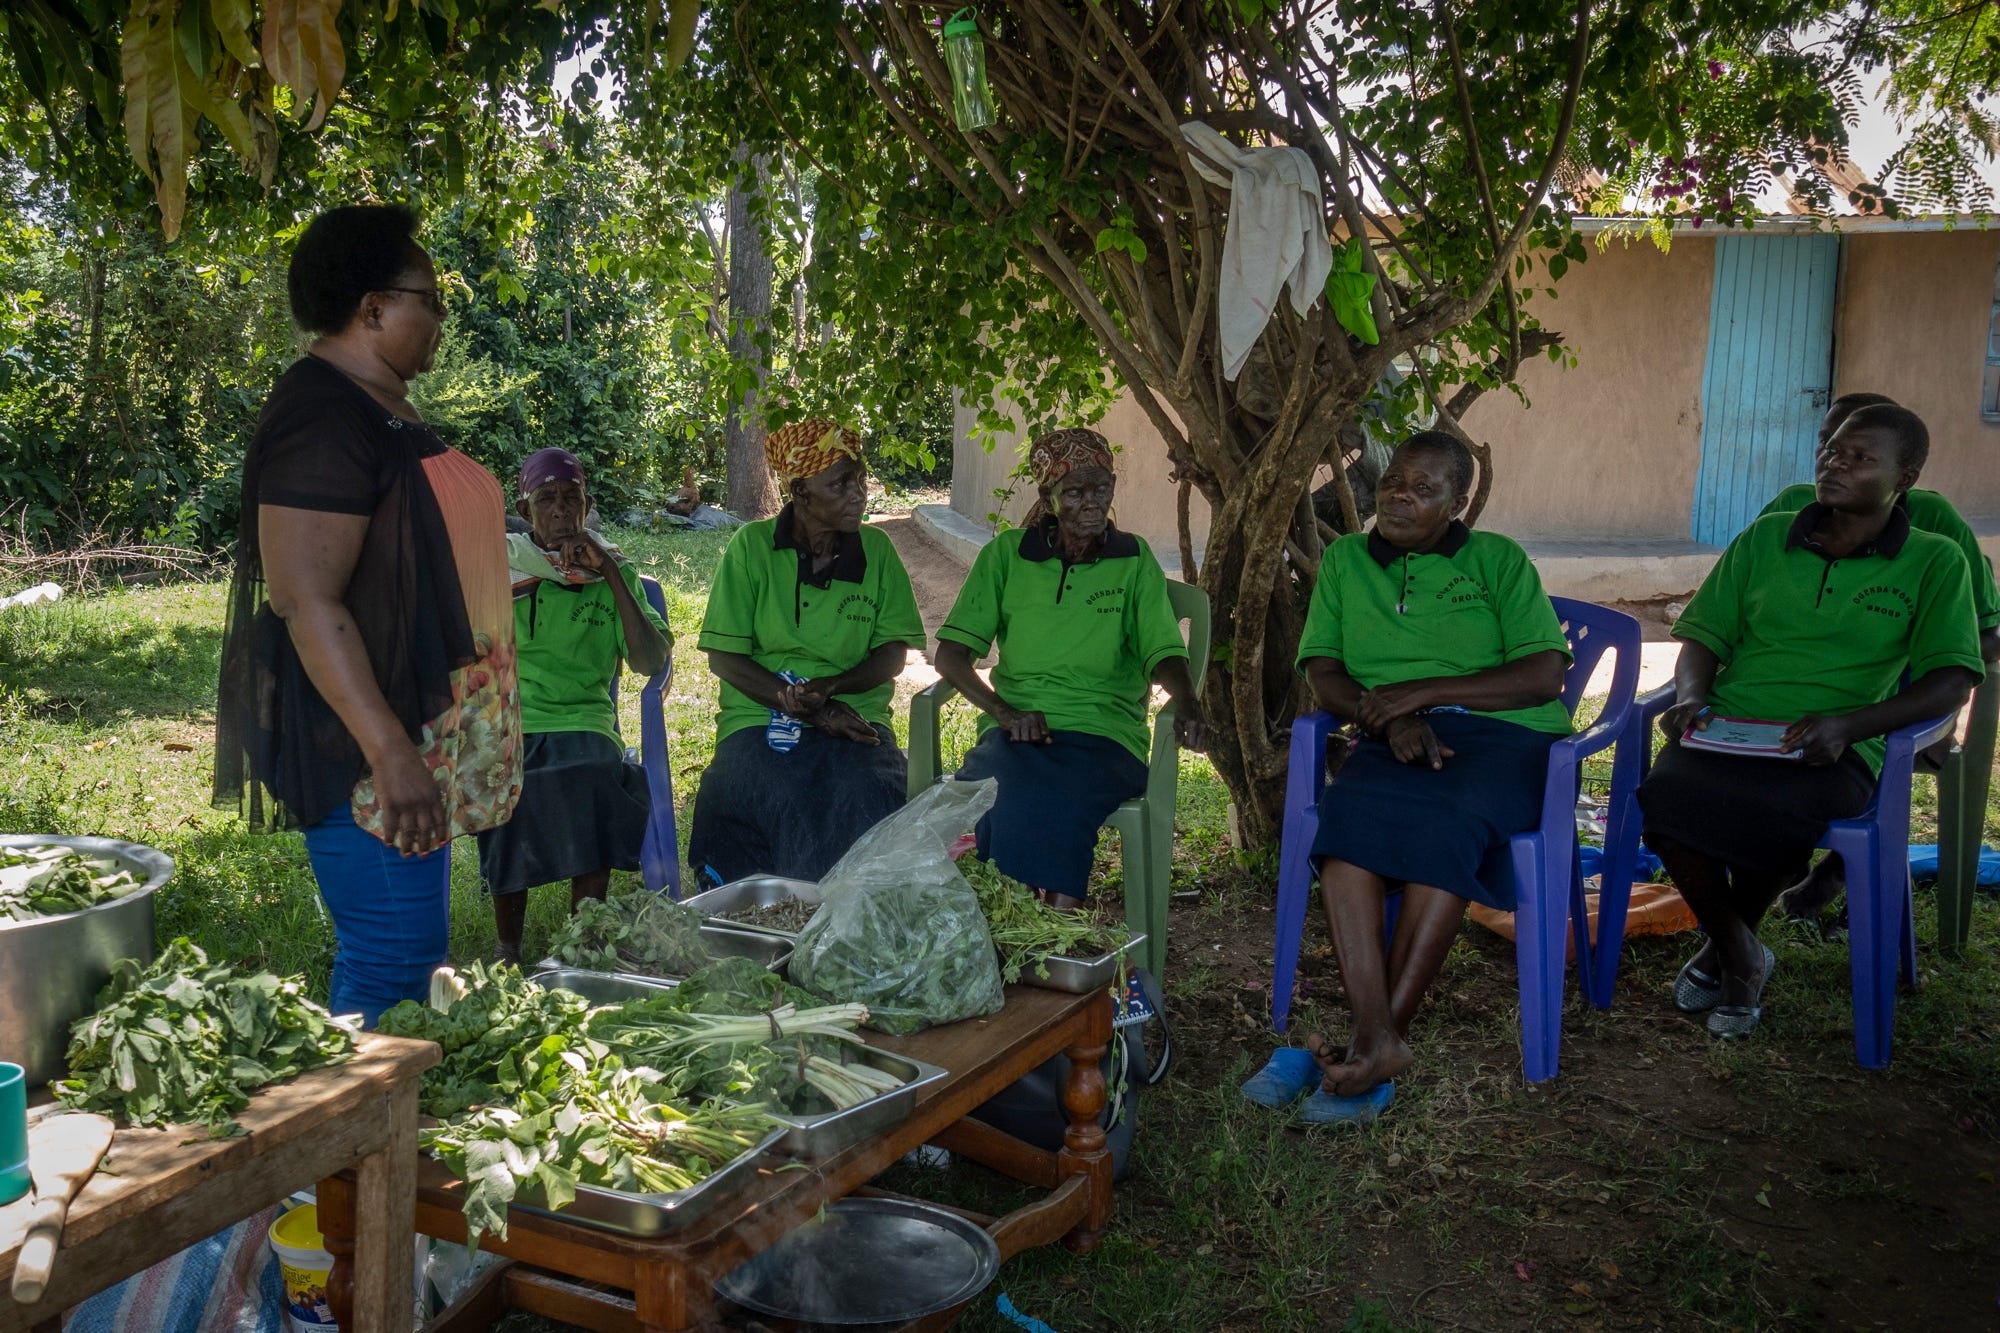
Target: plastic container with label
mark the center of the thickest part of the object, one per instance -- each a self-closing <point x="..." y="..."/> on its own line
<point x="305" y="1265"/>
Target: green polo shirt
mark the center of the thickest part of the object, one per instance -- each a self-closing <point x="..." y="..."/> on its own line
<point x="768" y="605"/>
<point x="1800" y="634"/>
<point x="570" y="641"/>
<point x="1929" y="512"/>
<point x="1078" y="642"/>
<point x="1471" y="603"/>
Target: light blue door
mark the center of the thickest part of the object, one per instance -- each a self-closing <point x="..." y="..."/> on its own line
<point x="1769" y="374"/>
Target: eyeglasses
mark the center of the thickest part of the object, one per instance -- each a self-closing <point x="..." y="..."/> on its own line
<point x="430" y="295"/>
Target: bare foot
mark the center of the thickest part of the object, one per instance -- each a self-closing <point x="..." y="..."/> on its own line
<point x="1810" y="896"/>
<point x="1329" y="1056"/>
<point x="1369" y="1061"/>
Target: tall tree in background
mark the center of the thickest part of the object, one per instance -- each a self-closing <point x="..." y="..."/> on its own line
<point x="751" y="491"/>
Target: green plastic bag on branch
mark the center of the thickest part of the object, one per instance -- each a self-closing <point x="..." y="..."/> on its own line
<point x="900" y="930"/>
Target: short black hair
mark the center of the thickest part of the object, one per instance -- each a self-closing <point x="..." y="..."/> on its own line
<point x="1845" y="406"/>
<point x="345" y="254"/>
<point x="1454" y="450"/>
<point x="1913" y="438"/>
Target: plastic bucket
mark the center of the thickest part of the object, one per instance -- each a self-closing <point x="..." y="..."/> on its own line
<point x="305" y="1264"/>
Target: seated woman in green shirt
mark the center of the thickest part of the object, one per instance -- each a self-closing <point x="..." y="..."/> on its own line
<point x="1440" y="647"/>
<point x="1929" y="511"/>
<point x="578" y="612"/>
<point x="809" y="621"/>
<point x="1080" y="613"/>
<point x="1809" y="619"/>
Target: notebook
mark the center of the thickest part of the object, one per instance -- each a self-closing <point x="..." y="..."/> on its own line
<point x="1741" y="735"/>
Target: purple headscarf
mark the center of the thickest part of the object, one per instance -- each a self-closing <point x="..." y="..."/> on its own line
<point x="547" y="465"/>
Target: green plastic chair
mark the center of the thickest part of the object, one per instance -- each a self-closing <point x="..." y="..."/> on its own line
<point x="1145" y="824"/>
<point x="1962" y="789"/>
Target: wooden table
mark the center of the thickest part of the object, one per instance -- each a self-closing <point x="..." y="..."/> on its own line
<point x="581" y="1274"/>
<point x="158" y="1192"/>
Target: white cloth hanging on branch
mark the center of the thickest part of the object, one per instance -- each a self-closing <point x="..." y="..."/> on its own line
<point x="1276" y="235"/>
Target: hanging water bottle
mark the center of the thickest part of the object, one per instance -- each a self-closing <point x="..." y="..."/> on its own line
<point x="783" y="732"/>
<point x="965" y="53"/>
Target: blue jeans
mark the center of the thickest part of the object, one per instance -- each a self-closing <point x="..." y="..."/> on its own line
<point x="391" y="915"/>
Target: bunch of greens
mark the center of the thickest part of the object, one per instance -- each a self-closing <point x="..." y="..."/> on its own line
<point x="52" y="880"/>
<point x="736" y="1031"/>
<point x="646" y="933"/>
<point x="530" y="1101"/>
<point x="489" y="1020"/>
<point x="188" y="1041"/>
<point x="587" y="1123"/>
<point x="914" y="953"/>
<point x="1028" y="932"/>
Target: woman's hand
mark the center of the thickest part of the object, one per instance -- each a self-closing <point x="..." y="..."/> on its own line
<point x="1384" y="704"/>
<point x="1412" y="741"/>
<point x="1684" y="714"/>
<point x="1028" y="727"/>
<point x="413" y="819"/>
<point x="1190" y="726"/>
<point x="1819" y="740"/>
<point x="839" y="720"/>
<point x="803" y="698"/>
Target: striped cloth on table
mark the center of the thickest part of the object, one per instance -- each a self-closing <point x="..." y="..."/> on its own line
<point x="228" y="1283"/>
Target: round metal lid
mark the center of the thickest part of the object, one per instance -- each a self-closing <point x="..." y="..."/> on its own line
<point x="868" y="1261"/>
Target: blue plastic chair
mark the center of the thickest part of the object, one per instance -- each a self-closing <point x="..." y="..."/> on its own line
<point x="659" y="854"/>
<point x="1543" y="861"/>
<point x="1875" y="847"/>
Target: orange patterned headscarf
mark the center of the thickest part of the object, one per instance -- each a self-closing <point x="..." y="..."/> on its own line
<point x="807" y="448"/>
<point x="1059" y="453"/>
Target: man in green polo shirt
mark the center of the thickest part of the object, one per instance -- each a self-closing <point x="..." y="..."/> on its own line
<point x="579" y="612"/>
<point x="1928" y="511"/>
<point x="1810" y="621"/>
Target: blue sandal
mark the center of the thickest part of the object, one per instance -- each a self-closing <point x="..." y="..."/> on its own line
<point x="1288" y="1076"/>
<point x="1330" y="1108"/>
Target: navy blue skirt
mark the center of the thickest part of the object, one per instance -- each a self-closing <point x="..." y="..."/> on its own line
<point x="1447" y="828"/>
<point x="794" y="812"/>
<point x="583" y="809"/>
<point x="1749" y="811"/>
<point x="1053" y="799"/>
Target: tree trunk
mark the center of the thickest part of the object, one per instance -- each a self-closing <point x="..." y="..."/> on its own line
<point x="752" y="493"/>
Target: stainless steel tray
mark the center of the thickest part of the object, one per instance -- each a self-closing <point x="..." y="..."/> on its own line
<point x="755" y="891"/>
<point x="598" y="987"/>
<point x="765" y="948"/>
<point x="617" y="1210"/>
<point x="658" y="1214"/>
<point x="51" y="967"/>
<point x="808" y="1136"/>
<point x="868" y="1261"/>
<point x="1080" y="976"/>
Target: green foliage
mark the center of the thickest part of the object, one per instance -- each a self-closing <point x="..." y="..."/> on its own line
<point x="184" y="1041"/>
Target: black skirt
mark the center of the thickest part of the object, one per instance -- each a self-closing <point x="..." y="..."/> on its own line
<point x="1042" y="830"/>
<point x="1743" y="810"/>
<point x="793" y="813"/>
<point x="583" y="809"/>
<point x="1447" y="827"/>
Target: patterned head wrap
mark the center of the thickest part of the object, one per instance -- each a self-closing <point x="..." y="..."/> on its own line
<point x="1059" y="453"/>
<point x="807" y="448"/>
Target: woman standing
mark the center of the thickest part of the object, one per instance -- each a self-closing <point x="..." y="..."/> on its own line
<point x="1085" y="630"/>
<point x="809" y="621"/>
<point x="368" y="689"/>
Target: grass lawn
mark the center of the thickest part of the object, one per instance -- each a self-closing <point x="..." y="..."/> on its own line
<point x="1663" y="1181"/>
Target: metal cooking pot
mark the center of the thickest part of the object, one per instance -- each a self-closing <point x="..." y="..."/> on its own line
<point x="52" y="967"/>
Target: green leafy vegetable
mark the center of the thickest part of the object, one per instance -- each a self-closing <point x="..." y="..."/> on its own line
<point x="52" y="880"/>
<point x="532" y="1103"/>
<point x="646" y="933"/>
<point x="185" y="1041"/>
<point x="1028" y="932"/>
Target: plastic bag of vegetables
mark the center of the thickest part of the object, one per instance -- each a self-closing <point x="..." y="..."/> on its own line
<point x="901" y="930"/>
